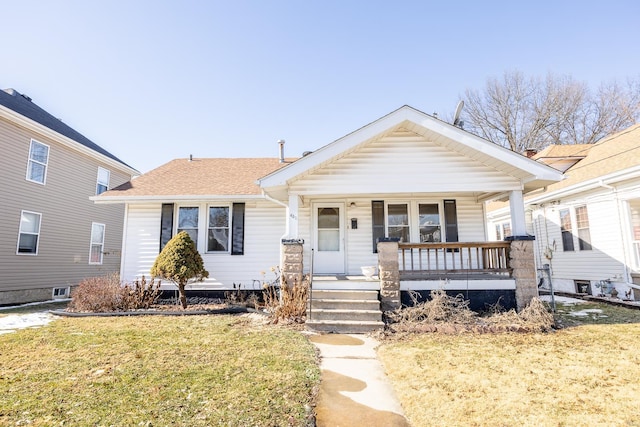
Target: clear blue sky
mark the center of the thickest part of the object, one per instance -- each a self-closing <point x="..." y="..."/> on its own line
<point x="151" y="81"/>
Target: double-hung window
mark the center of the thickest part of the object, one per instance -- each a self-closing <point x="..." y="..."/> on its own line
<point x="102" y="183"/>
<point x="582" y="224"/>
<point x="38" y="161"/>
<point x="188" y="221"/>
<point x="398" y="222"/>
<point x="429" y="220"/>
<point x="566" y="230"/>
<point x="97" y="243"/>
<point x="218" y="229"/>
<point x="29" y="234"/>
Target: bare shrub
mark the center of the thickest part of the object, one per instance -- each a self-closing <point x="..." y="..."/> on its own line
<point x="96" y="294"/>
<point x="287" y="303"/>
<point x="107" y="294"/>
<point x="450" y="315"/>
<point x="440" y="308"/>
<point x="140" y="294"/>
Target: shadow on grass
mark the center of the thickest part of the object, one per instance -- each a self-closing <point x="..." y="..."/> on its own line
<point x="594" y="313"/>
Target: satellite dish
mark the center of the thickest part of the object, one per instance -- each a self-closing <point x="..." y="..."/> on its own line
<point x="456" y="116"/>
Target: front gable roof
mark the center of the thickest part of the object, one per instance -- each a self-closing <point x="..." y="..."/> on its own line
<point x="530" y="174"/>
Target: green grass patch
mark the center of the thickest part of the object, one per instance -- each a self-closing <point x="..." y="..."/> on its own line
<point x="156" y="370"/>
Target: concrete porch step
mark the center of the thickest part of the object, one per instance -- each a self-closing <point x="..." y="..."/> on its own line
<point x="344" y="326"/>
<point x="336" y="314"/>
<point x="344" y="304"/>
<point x="344" y="294"/>
<point x="344" y="311"/>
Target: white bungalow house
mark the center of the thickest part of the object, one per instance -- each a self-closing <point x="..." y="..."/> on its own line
<point x="407" y="178"/>
<point x="587" y="227"/>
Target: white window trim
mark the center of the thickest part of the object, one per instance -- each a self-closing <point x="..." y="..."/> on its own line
<point x="37" y="234"/>
<point x="176" y="224"/>
<point x="91" y="243"/>
<point x="46" y="165"/>
<point x="574" y="227"/>
<point x="413" y="213"/>
<point x="206" y="237"/>
<point x="108" y="172"/>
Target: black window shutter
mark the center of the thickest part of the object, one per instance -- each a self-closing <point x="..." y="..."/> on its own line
<point x="166" y="224"/>
<point x="237" y="227"/>
<point x="451" y="220"/>
<point x="377" y="219"/>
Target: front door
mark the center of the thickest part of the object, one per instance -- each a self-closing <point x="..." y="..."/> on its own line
<point x="329" y="238"/>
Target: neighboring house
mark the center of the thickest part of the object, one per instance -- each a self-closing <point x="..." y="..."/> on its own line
<point x="405" y="177"/>
<point x="52" y="234"/>
<point x="587" y="227"/>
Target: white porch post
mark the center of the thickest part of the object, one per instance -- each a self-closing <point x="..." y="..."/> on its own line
<point x="516" y="206"/>
<point x="292" y="216"/>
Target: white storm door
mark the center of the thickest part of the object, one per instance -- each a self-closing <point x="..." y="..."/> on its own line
<point x="329" y="238"/>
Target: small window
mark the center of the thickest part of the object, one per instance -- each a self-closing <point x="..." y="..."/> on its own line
<point x="38" y="160"/>
<point x="60" y="292"/>
<point x="218" y="229"/>
<point x="29" y="234"/>
<point x="398" y="222"/>
<point x="565" y="229"/>
<point x="582" y="224"/>
<point x="429" y="220"/>
<point x="188" y="221"/>
<point x="103" y="180"/>
<point x="97" y="243"/>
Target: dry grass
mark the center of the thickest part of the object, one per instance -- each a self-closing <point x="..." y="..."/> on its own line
<point x="579" y="376"/>
<point x="451" y="314"/>
<point x="160" y="371"/>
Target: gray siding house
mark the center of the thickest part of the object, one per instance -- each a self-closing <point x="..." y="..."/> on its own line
<point x="52" y="234"/>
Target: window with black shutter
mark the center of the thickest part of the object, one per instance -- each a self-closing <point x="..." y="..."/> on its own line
<point x="237" y="226"/>
<point x="166" y="224"/>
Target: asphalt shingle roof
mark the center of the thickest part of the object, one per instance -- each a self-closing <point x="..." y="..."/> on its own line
<point x="200" y="177"/>
<point x="21" y="104"/>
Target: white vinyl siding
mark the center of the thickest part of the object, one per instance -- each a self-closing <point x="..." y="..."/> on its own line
<point x="38" y="162"/>
<point x="385" y="165"/>
<point x="264" y="227"/>
<point x="29" y="234"/>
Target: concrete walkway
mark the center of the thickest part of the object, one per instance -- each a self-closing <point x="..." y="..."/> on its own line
<point x="354" y="390"/>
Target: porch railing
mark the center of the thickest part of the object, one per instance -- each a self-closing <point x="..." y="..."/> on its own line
<point x="418" y="260"/>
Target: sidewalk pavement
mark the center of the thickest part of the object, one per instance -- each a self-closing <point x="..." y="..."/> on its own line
<point x="354" y="390"/>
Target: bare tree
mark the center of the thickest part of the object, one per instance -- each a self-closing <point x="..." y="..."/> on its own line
<point x="530" y="113"/>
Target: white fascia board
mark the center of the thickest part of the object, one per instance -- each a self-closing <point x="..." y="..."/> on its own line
<point x="169" y="199"/>
<point x="37" y="127"/>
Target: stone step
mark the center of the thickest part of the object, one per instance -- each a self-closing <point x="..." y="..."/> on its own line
<point x="344" y="294"/>
<point x="344" y="326"/>
<point x="344" y="304"/>
<point x="332" y="314"/>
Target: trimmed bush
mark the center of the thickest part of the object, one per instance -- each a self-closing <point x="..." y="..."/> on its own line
<point x="180" y="262"/>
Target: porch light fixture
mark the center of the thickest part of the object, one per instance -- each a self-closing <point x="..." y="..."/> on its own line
<point x="352" y="204"/>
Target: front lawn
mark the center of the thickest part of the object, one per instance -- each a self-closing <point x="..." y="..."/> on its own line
<point x="579" y="376"/>
<point x="156" y="370"/>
